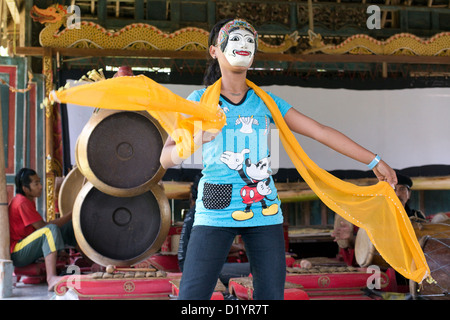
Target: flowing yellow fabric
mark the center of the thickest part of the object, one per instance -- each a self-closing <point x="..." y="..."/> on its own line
<point x="181" y="118"/>
<point x="375" y="208"/>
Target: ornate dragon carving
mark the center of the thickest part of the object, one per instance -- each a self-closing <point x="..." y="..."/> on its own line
<point x="399" y="44"/>
<point x="133" y="36"/>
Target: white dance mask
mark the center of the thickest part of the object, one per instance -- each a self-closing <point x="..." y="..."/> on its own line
<point x="240" y="48"/>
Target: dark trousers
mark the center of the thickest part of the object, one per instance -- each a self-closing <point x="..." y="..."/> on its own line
<point x="207" y="251"/>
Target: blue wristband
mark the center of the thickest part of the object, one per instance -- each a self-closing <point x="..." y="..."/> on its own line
<point x="374" y="162"/>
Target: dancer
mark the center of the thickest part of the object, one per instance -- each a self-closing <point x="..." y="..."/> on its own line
<point x="236" y="193"/>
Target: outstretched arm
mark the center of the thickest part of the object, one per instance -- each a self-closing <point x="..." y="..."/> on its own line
<point x="339" y="142"/>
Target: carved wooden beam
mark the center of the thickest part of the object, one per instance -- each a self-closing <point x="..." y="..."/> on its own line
<point x="75" y="52"/>
<point x="47" y="69"/>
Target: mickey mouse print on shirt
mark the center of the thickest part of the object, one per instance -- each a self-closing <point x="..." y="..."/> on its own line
<point x="257" y="179"/>
<point x="255" y="175"/>
<point x="237" y="186"/>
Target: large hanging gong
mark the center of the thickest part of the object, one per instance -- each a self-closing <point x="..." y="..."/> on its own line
<point x="69" y="190"/>
<point x="119" y="151"/>
<point x="120" y="231"/>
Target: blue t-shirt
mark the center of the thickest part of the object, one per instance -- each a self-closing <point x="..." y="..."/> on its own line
<point x="236" y="189"/>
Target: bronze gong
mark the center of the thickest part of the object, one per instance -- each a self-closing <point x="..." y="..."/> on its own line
<point x="70" y="187"/>
<point x="120" y="231"/>
<point x="119" y="151"/>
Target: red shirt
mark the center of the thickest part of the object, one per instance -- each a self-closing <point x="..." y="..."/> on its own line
<point x="22" y="214"/>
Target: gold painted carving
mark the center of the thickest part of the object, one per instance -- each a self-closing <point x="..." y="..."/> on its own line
<point x="146" y="37"/>
<point x="47" y="69"/>
<point x="134" y="36"/>
<point x="48" y="74"/>
<point x="129" y="286"/>
<point x="50" y="189"/>
<point x="399" y="44"/>
<point x="323" y="281"/>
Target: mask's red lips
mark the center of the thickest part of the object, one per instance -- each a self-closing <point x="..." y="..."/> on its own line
<point x="242" y="53"/>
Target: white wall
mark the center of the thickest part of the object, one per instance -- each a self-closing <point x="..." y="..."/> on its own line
<point x="409" y="127"/>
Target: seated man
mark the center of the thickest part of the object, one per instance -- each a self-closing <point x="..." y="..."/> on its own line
<point x="30" y="236"/>
<point x="403" y="191"/>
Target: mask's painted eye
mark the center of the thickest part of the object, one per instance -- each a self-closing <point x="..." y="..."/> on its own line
<point x="250" y="40"/>
<point x="234" y="38"/>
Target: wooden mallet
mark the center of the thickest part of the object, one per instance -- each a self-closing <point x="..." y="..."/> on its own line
<point x="112" y="269"/>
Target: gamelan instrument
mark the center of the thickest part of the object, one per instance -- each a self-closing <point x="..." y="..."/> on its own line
<point x="121" y="215"/>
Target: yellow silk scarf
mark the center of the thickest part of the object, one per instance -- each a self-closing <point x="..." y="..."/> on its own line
<point x="181" y="118"/>
<point x="376" y="208"/>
